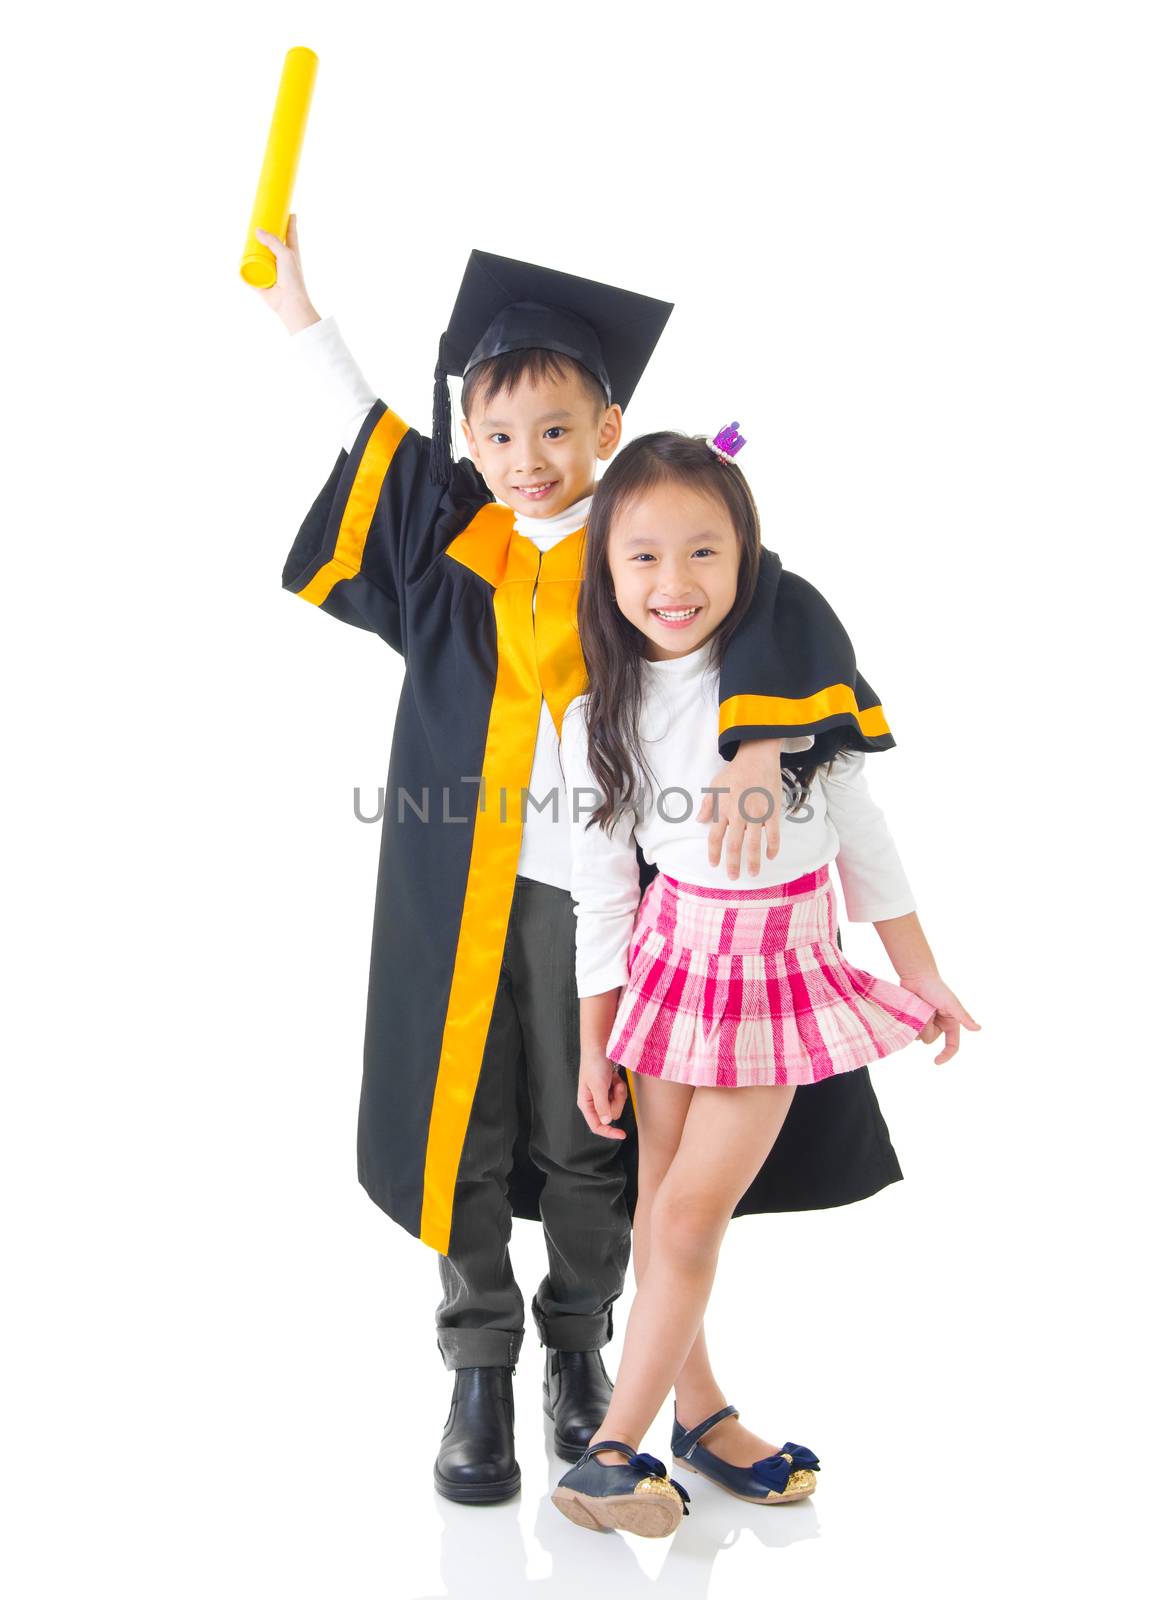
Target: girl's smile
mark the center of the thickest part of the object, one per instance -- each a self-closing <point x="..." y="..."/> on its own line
<point x="676" y="619"/>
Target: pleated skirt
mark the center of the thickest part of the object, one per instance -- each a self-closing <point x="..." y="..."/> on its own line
<point x="728" y="988"/>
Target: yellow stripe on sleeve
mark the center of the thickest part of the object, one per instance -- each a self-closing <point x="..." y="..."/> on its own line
<point x="358" y="514"/>
<point x="766" y="710"/>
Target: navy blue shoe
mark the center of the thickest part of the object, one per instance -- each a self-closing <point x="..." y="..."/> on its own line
<point x="636" y="1496"/>
<point x="789" y="1475"/>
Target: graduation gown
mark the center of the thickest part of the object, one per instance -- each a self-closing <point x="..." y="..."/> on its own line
<point x="440" y="574"/>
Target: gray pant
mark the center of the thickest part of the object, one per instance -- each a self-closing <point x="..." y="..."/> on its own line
<point x="534" y="1032"/>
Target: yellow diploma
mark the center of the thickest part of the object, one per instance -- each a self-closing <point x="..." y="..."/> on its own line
<point x="280" y="167"/>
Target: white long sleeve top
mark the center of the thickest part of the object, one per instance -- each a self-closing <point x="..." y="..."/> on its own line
<point x="344" y="397"/>
<point x="678" y="736"/>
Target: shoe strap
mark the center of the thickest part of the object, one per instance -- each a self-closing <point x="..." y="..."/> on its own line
<point x="691" y="1437"/>
<point x="610" y="1444"/>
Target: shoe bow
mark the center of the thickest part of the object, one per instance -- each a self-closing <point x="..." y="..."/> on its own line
<point x="775" y="1471"/>
<point x="658" y="1470"/>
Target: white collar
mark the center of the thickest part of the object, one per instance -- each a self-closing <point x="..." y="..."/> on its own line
<point x="679" y="668"/>
<point x="546" y="532"/>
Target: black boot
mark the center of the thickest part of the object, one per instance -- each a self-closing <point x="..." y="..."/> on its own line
<point x="576" y="1394"/>
<point x="476" y="1463"/>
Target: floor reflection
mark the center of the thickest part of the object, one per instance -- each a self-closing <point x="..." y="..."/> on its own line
<point x="502" y="1551"/>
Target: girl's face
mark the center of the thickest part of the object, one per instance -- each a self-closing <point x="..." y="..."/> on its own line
<point x="674" y="556"/>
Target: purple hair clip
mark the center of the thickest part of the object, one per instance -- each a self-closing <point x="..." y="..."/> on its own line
<point x="727" y="442"/>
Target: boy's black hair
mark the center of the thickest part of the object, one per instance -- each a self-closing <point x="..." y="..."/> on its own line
<point x="503" y="374"/>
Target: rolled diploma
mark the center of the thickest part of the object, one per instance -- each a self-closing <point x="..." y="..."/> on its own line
<point x="280" y="167"/>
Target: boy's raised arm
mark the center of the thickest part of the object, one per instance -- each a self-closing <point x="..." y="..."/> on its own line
<point x="379" y="522"/>
<point x="334" y="378"/>
<point x="287" y="297"/>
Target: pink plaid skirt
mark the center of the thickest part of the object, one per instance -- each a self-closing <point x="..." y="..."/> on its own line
<point x="733" y="987"/>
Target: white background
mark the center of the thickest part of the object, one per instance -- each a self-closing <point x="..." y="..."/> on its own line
<point x="913" y="250"/>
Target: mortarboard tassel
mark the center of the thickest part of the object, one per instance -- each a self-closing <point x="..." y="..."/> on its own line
<point x="441" y="462"/>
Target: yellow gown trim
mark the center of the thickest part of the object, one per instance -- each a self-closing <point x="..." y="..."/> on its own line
<point x="756" y="710"/>
<point x="539" y="658"/>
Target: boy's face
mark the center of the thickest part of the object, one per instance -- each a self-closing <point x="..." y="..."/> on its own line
<point x="537" y="445"/>
<point x="674" y="559"/>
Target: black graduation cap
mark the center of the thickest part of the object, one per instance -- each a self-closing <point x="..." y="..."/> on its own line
<point x="506" y="305"/>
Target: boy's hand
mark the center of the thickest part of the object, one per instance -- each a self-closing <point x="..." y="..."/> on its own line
<point x="756" y="765"/>
<point x="602" y="1095"/>
<point x="288" y="295"/>
<point x="949" y="1019"/>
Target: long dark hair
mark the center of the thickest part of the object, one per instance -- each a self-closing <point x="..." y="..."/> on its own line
<point x="613" y="647"/>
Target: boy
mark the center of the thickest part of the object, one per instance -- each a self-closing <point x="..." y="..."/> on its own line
<point x="471" y="569"/>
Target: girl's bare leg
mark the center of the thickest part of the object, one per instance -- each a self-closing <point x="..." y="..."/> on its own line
<point x="698" y="1395"/>
<point x="661" y="1110"/>
<point x="683" y="1220"/>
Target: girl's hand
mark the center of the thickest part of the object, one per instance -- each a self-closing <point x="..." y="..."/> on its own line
<point x="756" y="765"/>
<point x="288" y="295"/>
<point x="951" y="1015"/>
<point x="602" y="1095"/>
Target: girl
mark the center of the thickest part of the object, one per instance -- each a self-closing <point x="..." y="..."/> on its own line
<point x="722" y="1001"/>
